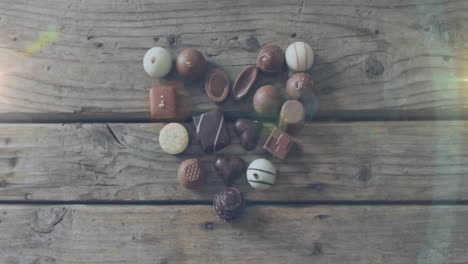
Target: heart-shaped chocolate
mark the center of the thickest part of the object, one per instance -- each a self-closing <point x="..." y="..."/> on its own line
<point x="229" y="168"/>
<point x="248" y="131"/>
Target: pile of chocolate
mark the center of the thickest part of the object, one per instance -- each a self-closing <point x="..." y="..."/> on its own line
<point x="210" y="127"/>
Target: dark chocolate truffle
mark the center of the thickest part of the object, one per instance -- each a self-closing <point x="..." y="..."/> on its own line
<point x="299" y="85"/>
<point x="217" y="85"/>
<point x="270" y="59"/>
<point x="229" y="204"/>
<point x="267" y="101"/>
<point x="191" y="64"/>
<point x="192" y="173"/>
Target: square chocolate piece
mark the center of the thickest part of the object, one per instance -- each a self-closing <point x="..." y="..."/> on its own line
<point x="278" y="143"/>
<point x="163" y="102"/>
<point x="211" y="131"/>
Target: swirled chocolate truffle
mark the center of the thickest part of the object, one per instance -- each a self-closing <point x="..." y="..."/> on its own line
<point x="270" y="59"/>
<point x="229" y="204"/>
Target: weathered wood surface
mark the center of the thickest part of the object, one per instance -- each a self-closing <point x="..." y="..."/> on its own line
<point x="378" y="58"/>
<point x="362" y="161"/>
<point x="192" y="234"/>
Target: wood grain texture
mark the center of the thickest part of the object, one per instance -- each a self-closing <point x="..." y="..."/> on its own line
<point x="192" y="234"/>
<point x="377" y="161"/>
<point x="377" y="59"/>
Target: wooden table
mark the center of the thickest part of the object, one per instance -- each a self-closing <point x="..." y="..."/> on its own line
<point x="380" y="176"/>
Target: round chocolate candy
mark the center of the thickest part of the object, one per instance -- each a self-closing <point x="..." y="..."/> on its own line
<point x="292" y="117"/>
<point x="192" y="173"/>
<point x="299" y="84"/>
<point x="157" y="62"/>
<point x="261" y="174"/>
<point x="270" y="59"/>
<point x="191" y="64"/>
<point x="267" y="101"/>
<point x="217" y="85"/>
<point x="244" y="82"/>
<point x="173" y="138"/>
<point x="299" y="56"/>
<point x="229" y="204"/>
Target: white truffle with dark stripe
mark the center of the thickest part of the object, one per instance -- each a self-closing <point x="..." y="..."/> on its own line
<point x="299" y="56"/>
<point x="261" y="174"/>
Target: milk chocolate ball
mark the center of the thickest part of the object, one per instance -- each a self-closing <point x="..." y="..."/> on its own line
<point x="270" y="59"/>
<point x="267" y="101"/>
<point x="299" y="85"/>
<point x="191" y="64"/>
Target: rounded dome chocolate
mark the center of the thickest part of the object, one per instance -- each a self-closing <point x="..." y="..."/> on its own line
<point x="191" y="64"/>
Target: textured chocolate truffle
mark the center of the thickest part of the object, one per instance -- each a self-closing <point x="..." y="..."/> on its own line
<point x="292" y="117"/>
<point x="229" y="204"/>
<point x="299" y="85"/>
<point x="267" y="101"/>
<point x="192" y="173"/>
<point x="217" y="85"/>
<point x="191" y="64"/>
<point x="270" y="59"/>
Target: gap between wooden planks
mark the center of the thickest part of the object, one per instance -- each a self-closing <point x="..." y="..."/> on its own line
<point x="378" y="59"/>
<point x="357" y="161"/>
<point x="266" y="234"/>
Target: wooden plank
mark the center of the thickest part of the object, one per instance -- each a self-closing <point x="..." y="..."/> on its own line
<point x="266" y="234"/>
<point x="378" y="58"/>
<point x="363" y="161"/>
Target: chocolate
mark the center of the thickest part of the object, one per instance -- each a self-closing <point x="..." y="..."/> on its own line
<point x="244" y="82"/>
<point x="299" y="85"/>
<point x="292" y="117"/>
<point x="270" y="59"/>
<point x="267" y="101"/>
<point x="157" y="62"/>
<point x="229" y="168"/>
<point x="229" y="204"/>
<point x="191" y="64"/>
<point x="163" y="102"/>
<point x="192" y="174"/>
<point x="173" y="138"/>
<point x="217" y="85"/>
<point x="278" y="143"/>
<point x="299" y="56"/>
<point x="248" y="131"/>
<point x="261" y="174"/>
<point x="211" y="130"/>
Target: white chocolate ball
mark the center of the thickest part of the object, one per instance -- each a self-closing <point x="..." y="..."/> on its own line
<point x="299" y="56"/>
<point x="157" y="62"/>
<point x="173" y="138"/>
<point x="261" y="174"/>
